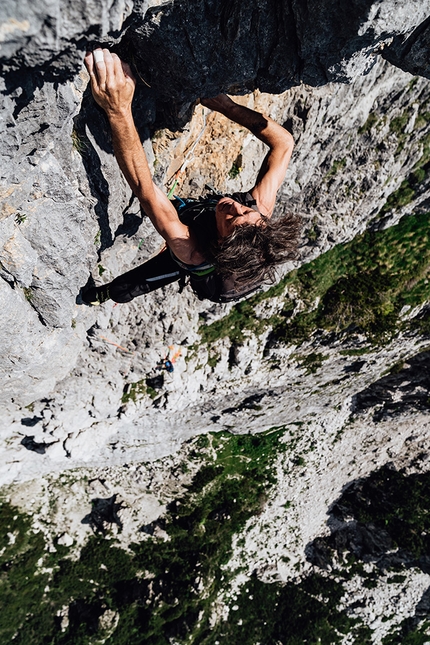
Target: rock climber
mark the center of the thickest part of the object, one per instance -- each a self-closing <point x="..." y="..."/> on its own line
<point x="227" y="245"/>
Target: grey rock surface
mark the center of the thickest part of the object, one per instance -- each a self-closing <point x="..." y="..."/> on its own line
<point x="81" y="388"/>
<point x="267" y="45"/>
<point x="66" y="209"/>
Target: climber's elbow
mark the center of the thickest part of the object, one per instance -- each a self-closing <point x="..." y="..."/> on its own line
<point x="287" y="140"/>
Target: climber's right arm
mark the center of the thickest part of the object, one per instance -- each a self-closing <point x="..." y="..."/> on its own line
<point x="273" y="135"/>
<point x="112" y="84"/>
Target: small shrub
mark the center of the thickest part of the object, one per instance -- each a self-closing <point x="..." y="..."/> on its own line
<point x="371" y="121"/>
<point x="20" y="218"/>
<point x="236" y="168"/>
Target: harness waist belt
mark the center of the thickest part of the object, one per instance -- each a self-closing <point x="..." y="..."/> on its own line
<point x="205" y="268"/>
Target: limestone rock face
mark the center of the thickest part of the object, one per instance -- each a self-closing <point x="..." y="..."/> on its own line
<point x="336" y="366"/>
<point x="66" y="210"/>
<point x="64" y="203"/>
<point x="266" y="45"/>
<point x="49" y="36"/>
<point x="91" y="377"/>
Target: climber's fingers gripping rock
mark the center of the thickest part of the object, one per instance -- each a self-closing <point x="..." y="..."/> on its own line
<point x="217" y="103"/>
<point x="112" y="82"/>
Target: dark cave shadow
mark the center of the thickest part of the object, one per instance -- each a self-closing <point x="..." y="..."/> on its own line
<point x="35" y="446"/>
<point x="84" y="612"/>
<point x="30" y="421"/>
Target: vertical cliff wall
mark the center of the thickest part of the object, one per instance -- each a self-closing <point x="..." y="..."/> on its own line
<point x="64" y="202"/>
<point x="275" y="484"/>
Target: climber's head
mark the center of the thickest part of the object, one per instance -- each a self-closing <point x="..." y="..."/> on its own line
<point x="249" y="244"/>
<point x="230" y="213"/>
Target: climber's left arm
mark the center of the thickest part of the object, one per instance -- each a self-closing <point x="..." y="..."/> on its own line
<point x="112" y="84"/>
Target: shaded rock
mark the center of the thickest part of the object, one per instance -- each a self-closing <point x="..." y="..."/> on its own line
<point x="87" y="613"/>
<point x="31" y="421"/>
<point x="407" y="389"/>
<point x="412" y="53"/>
<point x="267" y="45"/>
<point x="380" y="519"/>
<point x="156" y="382"/>
<point x="366" y="542"/>
<point x="104" y="511"/>
<point x="356" y="366"/>
<point x="36" y="446"/>
<point x="251" y="402"/>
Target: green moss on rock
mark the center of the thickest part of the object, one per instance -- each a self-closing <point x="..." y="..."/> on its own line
<point x="371" y="121"/>
<point x="361" y="285"/>
<point x="156" y="587"/>
<point x="164" y="589"/>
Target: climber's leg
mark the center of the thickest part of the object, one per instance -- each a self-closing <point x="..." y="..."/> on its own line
<point x="153" y="274"/>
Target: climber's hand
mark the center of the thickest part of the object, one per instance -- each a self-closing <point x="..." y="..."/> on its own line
<point x="219" y="103"/>
<point x="112" y="82"/>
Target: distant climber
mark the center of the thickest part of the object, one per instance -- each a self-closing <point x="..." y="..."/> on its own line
<point x="166" y="365"/>
<point x="168" y="362"/>
<point x="226" y="245"/>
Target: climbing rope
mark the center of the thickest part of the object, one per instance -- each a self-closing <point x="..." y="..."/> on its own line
<point x="188" y="157"/>
<point x="124" y="349"/>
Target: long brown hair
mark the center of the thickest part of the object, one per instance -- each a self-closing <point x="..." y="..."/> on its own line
<point x="251" y="252"/>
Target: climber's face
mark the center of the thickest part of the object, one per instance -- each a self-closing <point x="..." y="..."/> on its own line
<point x="229" y="214"/>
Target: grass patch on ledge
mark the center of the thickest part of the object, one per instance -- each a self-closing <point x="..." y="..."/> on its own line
<point x="364" y="284"/>
<point x="161" y="588"/>
<point x="407" y="190"/>
<point x="372" y="120"/>
<point x="165" y="589"/>
<point x="360" y="286"/>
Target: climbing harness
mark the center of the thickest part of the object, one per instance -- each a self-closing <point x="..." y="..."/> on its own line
<point x="206" y="283"/>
